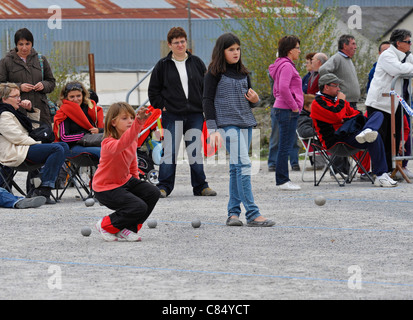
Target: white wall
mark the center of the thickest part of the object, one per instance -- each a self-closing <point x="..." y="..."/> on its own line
<point x="113" y="87"/>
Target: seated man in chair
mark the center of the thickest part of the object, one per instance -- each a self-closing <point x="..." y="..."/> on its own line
<point x="335" y="121"/>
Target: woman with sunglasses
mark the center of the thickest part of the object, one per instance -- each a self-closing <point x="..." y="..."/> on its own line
<point x="23" y="67"/>
<point x="394" y="61"/>
<point x="77" y="116"/>
<point x="16" y="145"/>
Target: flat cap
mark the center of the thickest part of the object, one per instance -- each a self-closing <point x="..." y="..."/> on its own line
<point x="328" y="78"/>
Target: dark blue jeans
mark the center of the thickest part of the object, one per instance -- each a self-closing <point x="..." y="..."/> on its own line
<point x="53" y="156"/>
<point x="287" y="125"/>
<point x="273" y="148"/>
<point x="376" y="148"/>
<point x="190" y="127"/>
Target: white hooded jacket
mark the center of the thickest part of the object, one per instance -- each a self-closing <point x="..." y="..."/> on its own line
<point x="388" y="66"/>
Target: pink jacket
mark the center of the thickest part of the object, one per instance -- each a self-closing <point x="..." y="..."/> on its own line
<point x="287" y="89"/>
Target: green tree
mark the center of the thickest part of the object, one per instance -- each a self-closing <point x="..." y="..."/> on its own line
<point x="260" y="25"/>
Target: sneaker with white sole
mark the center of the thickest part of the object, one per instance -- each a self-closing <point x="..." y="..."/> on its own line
<point x="289" y="186"/>
<point x="128" y="235"/>
<point x="105" y="235"/>
<point x="367" y="135"/>
<point x="385" y="181"/>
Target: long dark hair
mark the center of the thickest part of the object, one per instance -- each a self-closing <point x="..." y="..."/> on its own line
<point x="218" y="62"/>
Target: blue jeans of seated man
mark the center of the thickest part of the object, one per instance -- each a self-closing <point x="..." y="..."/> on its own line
<point x="376" y="148"/>
<point x="273" y="147"/>
<point x="53" y="156"/>
<point x="287" y="125"/>
<point x="237" y="142"/>
<point x="175" y="126"/>
<point x="78" y="149"/>
<point x="7" y="199"/>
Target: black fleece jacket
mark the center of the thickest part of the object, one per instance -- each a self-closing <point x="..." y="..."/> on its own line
<point x="165" y="88"/>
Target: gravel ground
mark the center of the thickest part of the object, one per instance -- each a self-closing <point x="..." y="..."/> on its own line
<point x="356" y="246"/>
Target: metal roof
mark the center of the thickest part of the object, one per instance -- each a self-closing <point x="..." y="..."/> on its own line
<point x="44" y="4"/>
<point x="117" y="9"/>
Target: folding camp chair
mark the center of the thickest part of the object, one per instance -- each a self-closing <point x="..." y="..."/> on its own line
<point x="8" y="174"/>
<point x="340" y="149"/>
<point x="72" y="167"/>
<point x="309" y="151"/>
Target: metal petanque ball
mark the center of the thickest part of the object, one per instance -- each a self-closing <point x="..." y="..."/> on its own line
<point x="320" y="200"/>
<point x="152" y="223"/>
<point x="86" y="231"/>
<point x="89" y="202"/>
<point x="196" y="223"/>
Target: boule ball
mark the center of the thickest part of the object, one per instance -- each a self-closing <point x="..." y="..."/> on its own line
<point x="196" y="223"/>
<point x="320" y="200"/>
<point x="86" y="231"/>
<point x="152" y="223"/>
<point x="89" y="202"/>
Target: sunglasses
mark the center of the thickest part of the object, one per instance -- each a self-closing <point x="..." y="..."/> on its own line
<point x="407" y="41"/>
<point x="72" y="87"/>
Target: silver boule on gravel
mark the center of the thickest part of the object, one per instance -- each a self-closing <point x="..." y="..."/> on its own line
<point x="196" y="223"/>
<point x="152" y="223"/>
<point x="89" y="202"/>
<point x="86" y="231"/>
<point x="320" y="200"/>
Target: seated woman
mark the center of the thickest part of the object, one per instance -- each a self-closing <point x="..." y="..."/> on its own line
<point x="16" y="146"/>
<point x="77" y="116"/>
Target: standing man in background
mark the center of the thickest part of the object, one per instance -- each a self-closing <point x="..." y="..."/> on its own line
<point x="176" y="87"/>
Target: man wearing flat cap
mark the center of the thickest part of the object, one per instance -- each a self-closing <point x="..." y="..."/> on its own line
<point x="336" y="121"/>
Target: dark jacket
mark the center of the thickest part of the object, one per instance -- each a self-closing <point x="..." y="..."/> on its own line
<point x="14" y="69"/>
<point x="165" y="88"/>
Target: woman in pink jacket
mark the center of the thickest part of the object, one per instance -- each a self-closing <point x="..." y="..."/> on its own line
<point x="289" y="101"/>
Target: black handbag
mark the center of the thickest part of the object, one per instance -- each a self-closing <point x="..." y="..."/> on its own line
<point x="43" y="133"/>
<point x="91" y="140"/>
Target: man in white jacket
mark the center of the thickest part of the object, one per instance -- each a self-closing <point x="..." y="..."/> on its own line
<point x="395" y="61"/>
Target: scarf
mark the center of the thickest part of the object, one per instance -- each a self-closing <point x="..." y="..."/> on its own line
<point x="24" y="120"/>
<point x="74" y="112"/>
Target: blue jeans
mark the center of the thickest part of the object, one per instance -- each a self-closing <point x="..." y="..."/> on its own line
<point x="237" y="142"/>
<point x="376" y="148"/>
<point x="7" y="199"/>
<point x="287" y="125"/>
<point x="273" y="147"/>
<point x="175" y="126"/>
<point x="53" y="156"/>
<point x="78" y="149"/>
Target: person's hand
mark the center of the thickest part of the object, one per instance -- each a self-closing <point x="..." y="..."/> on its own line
<point x="38" y="86"/>
<point x="215" y="139"/>
<point x="26" y="104"/>
<point x="26" y="87"/>
<point x="94" y="130"/>
<point x="341" y="96"/>
<point x="252" y="96"/>
<point x="141" y="113"/>
<point x="401" y="148"/>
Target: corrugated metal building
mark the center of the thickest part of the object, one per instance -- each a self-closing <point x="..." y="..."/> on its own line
<point x="124" y="35"/>
<point x="128" y="44"/>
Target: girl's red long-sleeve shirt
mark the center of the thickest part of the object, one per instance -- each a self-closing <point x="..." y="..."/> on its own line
<point x="118" y="160"/>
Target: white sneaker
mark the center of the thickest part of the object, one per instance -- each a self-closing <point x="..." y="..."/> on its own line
<point x="385" y="181"/>
<point x="367" y="135"/>
<point x="105" y="235"/>
<point x="128" y="235"/>
<point x="289" y="186"/>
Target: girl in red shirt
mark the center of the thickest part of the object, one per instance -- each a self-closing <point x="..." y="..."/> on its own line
<point x="116" y="181"/>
